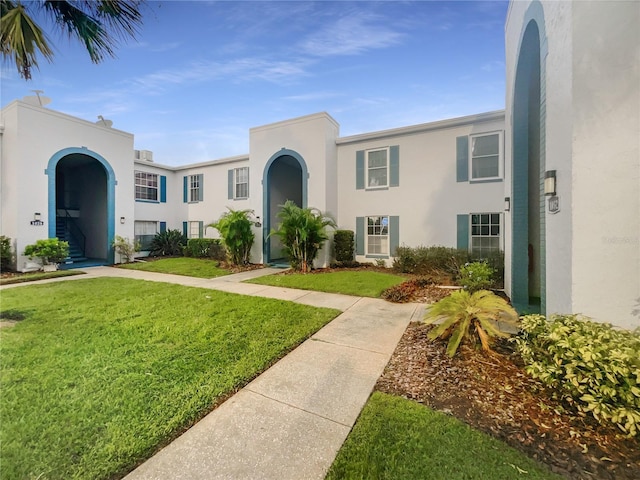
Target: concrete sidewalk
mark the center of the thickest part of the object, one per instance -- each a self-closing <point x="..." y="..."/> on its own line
<point x="290" y="422"/>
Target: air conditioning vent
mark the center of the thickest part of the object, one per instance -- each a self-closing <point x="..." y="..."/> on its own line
<point x="145" y="155"/>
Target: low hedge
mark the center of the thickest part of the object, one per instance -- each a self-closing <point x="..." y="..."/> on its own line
<point x="205" y="248"/>
<point x="592" y="366"/>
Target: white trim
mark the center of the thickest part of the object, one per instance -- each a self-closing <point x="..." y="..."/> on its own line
<point x="382" y="226"/>
<point x="236" y="183"/>
<point x="367" y="185"/>
<point x="500" y="175"/>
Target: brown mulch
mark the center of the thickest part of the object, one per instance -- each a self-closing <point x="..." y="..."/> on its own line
<point x="492" y="393"/>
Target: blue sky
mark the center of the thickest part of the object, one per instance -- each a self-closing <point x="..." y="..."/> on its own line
<point x="202" y="73"/>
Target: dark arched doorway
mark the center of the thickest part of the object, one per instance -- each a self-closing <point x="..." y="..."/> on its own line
<point x="81" y="204"/>
<point x="284" y="178"/>
<point x="528" y="249"/>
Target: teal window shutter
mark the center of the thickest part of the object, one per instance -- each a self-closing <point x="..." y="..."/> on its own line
<point x="185" y="229"/>
<point x="201" y="189"/>
<point x="230" y="184"/>
<point x="163" y="189"/>
<point x="463" y="232"/>
<point x="359" y="235"/>
<point x="394" y="166"/>
<point x="394" y="234"/>
<point x="163" y="227"/>
<point x="200" y="229"/>
<point x="462" y="159"/>
<point x="360" y="170"/>
<point x="185" y="189"/>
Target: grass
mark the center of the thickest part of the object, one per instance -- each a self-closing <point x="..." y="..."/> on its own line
<point x="192" y="267"/>
<point x="32" y="277"/>
<point x="99" y="373"/>
<point x="397" y="439"/>
<point x="361" y="283"/>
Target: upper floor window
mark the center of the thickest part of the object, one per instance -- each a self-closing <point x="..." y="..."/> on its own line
<point x="146" y="186"/>
<point x="378" y="168"/>
<point x="241" y="182"/>
<point x="485" y="160"/>
<point x="194" y="187"/>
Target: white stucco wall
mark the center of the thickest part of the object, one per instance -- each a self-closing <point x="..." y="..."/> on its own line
<point x="31" y="137"/>
<point x="591" y="82"/>
<point x="428" y="197"/>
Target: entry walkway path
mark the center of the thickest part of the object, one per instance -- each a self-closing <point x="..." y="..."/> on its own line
<point x="290" y="422"/>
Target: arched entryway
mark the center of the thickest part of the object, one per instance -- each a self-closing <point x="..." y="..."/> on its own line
<point x="528" y="248"/>
<point x="81" y="205"/>
<point x="284" y="178"/>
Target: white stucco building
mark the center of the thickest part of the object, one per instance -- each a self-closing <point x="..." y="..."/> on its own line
<point x="572" y="116"/>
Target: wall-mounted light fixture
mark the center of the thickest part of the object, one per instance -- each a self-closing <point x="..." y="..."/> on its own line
<point x="36" y="216"/>
<point x="550" y="182"/>
<point x="122" y="220"/>
<point x="257" y="224"/>
<point x="507" y="204"/>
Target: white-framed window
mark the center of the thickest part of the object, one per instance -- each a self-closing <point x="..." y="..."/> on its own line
<point x="144" y="232"/>
<point x="241" y="182"/>
<point x="485" y="233"/>
<point x="377" y="168"/>
<point x="194" y="230"/>
<point x="146" y="186"/>
<point x="485" y="156"/>
<point x="194" y="188"/>
<point x="377" y="235"/>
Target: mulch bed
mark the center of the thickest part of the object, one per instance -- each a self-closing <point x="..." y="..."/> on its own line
<point x="492" y="393"/>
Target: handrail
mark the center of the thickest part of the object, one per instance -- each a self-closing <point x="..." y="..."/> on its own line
<point x="75" y="231"/>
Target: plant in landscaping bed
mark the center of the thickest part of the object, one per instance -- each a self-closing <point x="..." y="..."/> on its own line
<point x="406" y="291"/>
<point x="6" y="255"/>
<point x="302" y="232"/>
<point x="476" y="276"/>
<point x="591" y="366"/>
<point x="168" y="243"/>
<point x="429" y="260"/>
<point x="343" y="245"/>
<point x="205" y="248"/>
<point x="125" y="247"/>
<point x="49" y="251"/>
<point x="235" y="229"/>
<point x="471" y="316"/>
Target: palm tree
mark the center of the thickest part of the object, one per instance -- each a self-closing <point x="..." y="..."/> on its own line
<point x="462" y="311"/>
<point x="302" y="232"/>
<point x="98" y="24"/>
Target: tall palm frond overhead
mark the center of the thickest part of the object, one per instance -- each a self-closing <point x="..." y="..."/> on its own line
<point x="98" y="24"/>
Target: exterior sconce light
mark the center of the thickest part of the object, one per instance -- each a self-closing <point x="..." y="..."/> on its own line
<point x="507" y="204"/>
<point x="550" y="182"/>
<point x="122" y="220"/>
<point x="257" y="224"/>
<point x="36" y="216"/>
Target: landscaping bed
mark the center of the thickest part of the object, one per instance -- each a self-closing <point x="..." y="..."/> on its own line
<point x="494" y="394"/>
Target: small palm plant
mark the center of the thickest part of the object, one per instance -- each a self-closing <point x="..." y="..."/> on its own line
<point x="302" y="232"/>
<point x="469" y="315"/>
<point x="235" y="229"/>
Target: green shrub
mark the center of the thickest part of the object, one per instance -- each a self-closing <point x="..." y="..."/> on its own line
<point x="343" y="245"/>
<point x="471" y="316"/>
<point x="49" y="251"/>
<point x="205" y="248"/>
<point x="346" y="264"/>
<point x="235" y="229"/>
<point x="429" y="260"/>
<point x="302" y="232"/>
<point x="591" y="366"/>
<point x="495" y="260"/>
<point x="125" y="247"/>
<point x="169" y="243"/>
<point x="475" y="276"/>
<point x="6" y="254"/>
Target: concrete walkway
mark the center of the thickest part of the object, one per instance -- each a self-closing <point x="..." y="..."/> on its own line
<point x="290" y="422"/>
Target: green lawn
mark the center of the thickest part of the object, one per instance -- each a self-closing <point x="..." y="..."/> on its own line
<point x="361" y="283"/>
<point x="192" y="267"/>
<point x="103" y="371"/>
<point x="32" y="277"/>
<point x="397" y="439"/>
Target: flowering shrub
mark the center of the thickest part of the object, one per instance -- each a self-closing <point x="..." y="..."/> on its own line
<point x="591" y="366"/>
<point x="476" y="276"/>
